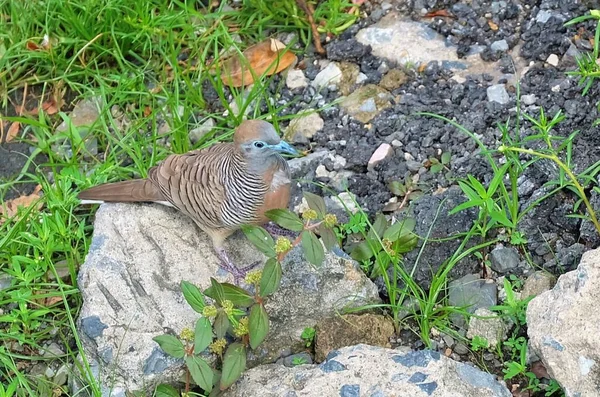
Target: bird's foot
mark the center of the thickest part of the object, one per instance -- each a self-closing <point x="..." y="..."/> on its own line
<point x="276" y="230"/>
<point x="238" y="273"/>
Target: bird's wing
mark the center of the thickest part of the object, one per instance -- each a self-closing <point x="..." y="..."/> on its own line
<point x="193" y="183"/>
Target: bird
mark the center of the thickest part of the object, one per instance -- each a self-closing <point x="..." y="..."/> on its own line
<point x="221" y="187"/>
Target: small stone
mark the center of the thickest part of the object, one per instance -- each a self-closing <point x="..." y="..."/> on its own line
<point x="555" y="88"/>
<point x="53" y="350"/>
<point x="321" y="172"/>
<point x="528" y="99"/>
<point x="60" y="378"/>
<point x="396" y="143"/>
<point x="393" y="79"/>
<point x="500" y="45"/>
<point x="196" y="134"/>
<point x="491" y="329"/>
<point x="297" y="359"/>
<point x="339" y="162"/>
<point x="304" y="127"/>
<point x="538" y="282"/>
<point x="543" y="16"/>
<point x="504" y="259"/>
<point x="5" y="280"/>
<point x="472" y="292"/>
<point x="49" y="373"/>
<point x="413" y="165"/>
<point x="459" y="79"/>
<point x="296" y="79"/>
<point x="497" y="93"/>
<point x="461" y="348"/>
<point x="361" y="78"/>
<point x="366" y="102"/>
<point x="330" y="76"/>
<point x="347" y="199"/>
<point x="552" y="60"/>
<point x="383" y="151"/>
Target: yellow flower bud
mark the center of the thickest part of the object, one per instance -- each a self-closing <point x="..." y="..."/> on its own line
<point x="187" y="334"/>
<point x="228" y="307"/>
<point x="209" y="311"/>
<point x="241" y="328"/>
<point x="283" y="245"/>
<point x="253" y="277"/>
<point x="218" y="346"/>
<point x="309" y="215"/>
<point x="330" y="220"/>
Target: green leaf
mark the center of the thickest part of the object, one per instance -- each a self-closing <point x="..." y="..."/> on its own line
<point x="201" y="372"/>
<point x="361" y="252"/>
<point x="501" y="218"/>
<point x="234" y="363"/>
<point x="397" y="188"/>
<point x="313" y="249"/>
<point x="271" y="277"/>
<point x="215" y="291"/>
<point x="497" y="180"/>
<point x="203" y="335"/>
<point x="478" y="186"/>
<point x="468" y="191"/>
<point x="170" y="345"/>
<point x="261" y="239"/>
<point x="193" y="296"/>
<point x="164" y="390"/>
<point x="316" y="203"/>
<point x="378" y="228"/>
<point x="238" y="296"/>
<point x="258" y="325"/>
<point x="328" y="236"/>
<point x="446" y="156"/>
<point x="435" y="168"/>
<point x="286" y="219"/>
<point x="465" y="205"/>
<point x="221" y="324"/>
<point x="400" y="228"/>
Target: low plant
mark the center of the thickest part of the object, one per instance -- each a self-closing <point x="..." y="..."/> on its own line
<point x="588" y="69"/>
<point x="239" y="313"/>
<point x="479" y="343"/>
<point x="308" y="336"/>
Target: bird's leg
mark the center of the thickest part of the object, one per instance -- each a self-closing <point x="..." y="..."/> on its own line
<point x="276" y="230"/>
<point x="238" y="273"/>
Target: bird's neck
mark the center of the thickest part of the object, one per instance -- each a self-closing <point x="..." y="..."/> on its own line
<point x="266" y="164"/>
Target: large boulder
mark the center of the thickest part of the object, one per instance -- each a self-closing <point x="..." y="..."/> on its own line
<point x="364" y="370"/>
<point x="130" y="286"/>
<point x="563" y="325"/>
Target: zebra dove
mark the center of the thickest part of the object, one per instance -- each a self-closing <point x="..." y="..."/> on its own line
<point x="221" y="187"/>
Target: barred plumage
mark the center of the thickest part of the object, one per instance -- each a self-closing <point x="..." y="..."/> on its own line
<point x="221" y="188"/>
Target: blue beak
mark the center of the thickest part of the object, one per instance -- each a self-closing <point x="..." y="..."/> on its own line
<point x="284" y="147"/>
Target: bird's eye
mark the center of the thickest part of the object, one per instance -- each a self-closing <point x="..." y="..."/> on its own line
<point x="259" y="144"/>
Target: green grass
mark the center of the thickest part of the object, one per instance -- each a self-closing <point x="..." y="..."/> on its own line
<point x="148" y="63"/>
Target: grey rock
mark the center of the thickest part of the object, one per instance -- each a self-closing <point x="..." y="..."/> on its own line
<point x="329" y="77"/>
<point x="5" y="280"/>
<point x="497" y="93"/>
<point x="537" y="283"/>
<point x="491" y="329"/>
<point x="61" y="375"/>
<point x="84" y="115"/>
<point x="363" y="370"/>
<point x="413" y="165"/>
<point x="563" y="324"/>
<point x="500" y="45"/>
<point x="197" y="133"/>
<point x="528" y="99"/>
<point x="588" y="232"/>
<point x="543" y="16"/>
<point x="472" y="293"/>
<point x="300" y="167"/>
<point x="504" y="259"/>
<point x="366" y="102"/>
<point x="130" y="285"/>
<point x="461" y="348"/>
<point x="304" y="127"/>
<point x="53" y="350"/>
<point x="295" y="79"/>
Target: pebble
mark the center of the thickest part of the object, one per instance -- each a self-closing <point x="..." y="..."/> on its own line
<point x="53" y="350"/>
<point x="361" y="78"/>
<point x="543" y="16"/>
<point x="504" y="259"/>
<point x="552" y="60"/>
<point x="528" y="99"/>
<point x="461" y="348"/>
<point x="304" y="127"/>
<point x="500" y="45"/>
<point x="60" y="378"/>
<point x="498" y="93"/>
<point x="196" y="134"/>
<point x="383" y="151"/>
<point x="329" y="77"/>
<point x="321" y="172"/>
<point x="413" y="165"/>
<point x="296" y="79"/>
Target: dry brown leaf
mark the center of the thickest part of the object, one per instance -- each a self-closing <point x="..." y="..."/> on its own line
<point x="267" y="57"/>
<point x="52" y="300"/>
<point x="147" y="111"/>
<point x="31" y="46"/>
<point x="439" y="13"/>
<point x="13" y="130"/>
<point x="50" y="106"/>
<point x="10" y="207"/>
<point x="493" y="26"/>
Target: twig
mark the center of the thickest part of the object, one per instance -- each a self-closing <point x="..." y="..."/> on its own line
<point x="309" y="11"/>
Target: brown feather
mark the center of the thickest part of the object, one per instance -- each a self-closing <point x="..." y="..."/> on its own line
<point x="139" y="190"/>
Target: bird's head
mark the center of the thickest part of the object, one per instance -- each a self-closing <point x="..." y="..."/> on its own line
<point x="257" y="139"/>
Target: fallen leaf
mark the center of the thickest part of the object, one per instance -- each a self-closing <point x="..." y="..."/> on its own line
<point x="539" y="369"/>
<point x="31" y="46"/>
<point x="9" y="208"/>
<point x="52" y="300"/>
<point x="147" y="111"/>
<point x="50" y="106"/>
<point x="13" y="130"/>
<point x="267" y="57"/>
<point x="439" y="13"/>
<point x="493" y="26"/>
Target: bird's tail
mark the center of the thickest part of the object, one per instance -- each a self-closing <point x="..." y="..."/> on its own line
<point x="139" y="190"/>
